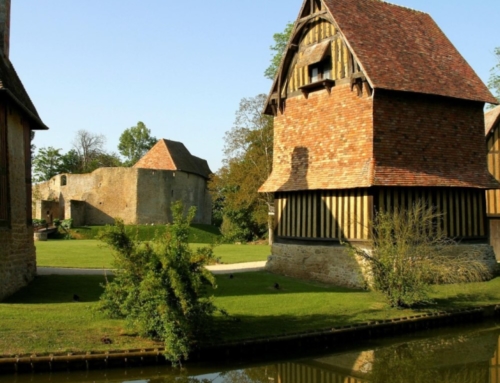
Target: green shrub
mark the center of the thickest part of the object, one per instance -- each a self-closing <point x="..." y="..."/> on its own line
<point x="408" y="253"/>
<point x="160" y="286"/>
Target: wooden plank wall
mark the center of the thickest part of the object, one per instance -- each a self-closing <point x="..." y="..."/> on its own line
<point x="299" y="373"/>
<point x="463" y="210"/>
<point x="340" y="214"/>
<point x="343" y="62"/>
<point x="493" y="196"/>
<point x="331" y="214"/>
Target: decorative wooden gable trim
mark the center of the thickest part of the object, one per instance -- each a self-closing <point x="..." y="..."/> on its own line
<point x="317" y="57"/>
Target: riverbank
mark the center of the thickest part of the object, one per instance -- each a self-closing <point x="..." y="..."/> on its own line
<point x="44" y="319"/>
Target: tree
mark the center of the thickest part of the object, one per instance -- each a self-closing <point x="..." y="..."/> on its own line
<point x="88" y="146"/>
<point x="248" y="163"/>
<point x="494" y="81"/>
<point x="408" y="253"/>
<point x="70" y="162"/>
<point x="280" y="43"/>
<point x="135" y="142"/>
<point x="47" y="163"/>
<point x="160" y="286"/>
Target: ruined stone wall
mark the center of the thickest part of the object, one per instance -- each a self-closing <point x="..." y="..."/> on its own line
<point x="157" y="189"/>
<point x="108" y="193"/>
<point x="17" y="251"/>
<point x="138" y="196"/>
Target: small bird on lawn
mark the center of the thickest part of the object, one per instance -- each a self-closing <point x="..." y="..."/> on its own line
<point x="231" y="276"/>
<point x="76" y="298"/>
<point x="277" y="286"/>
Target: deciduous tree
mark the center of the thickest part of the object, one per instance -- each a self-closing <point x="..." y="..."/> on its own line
<point x="135" y="142"/>
<point x="47" y="163"/>
<point x="89" y="146"/>
<point x="280" y="43"/>
<point x="248" y="163"/>
<point x="494" y="81"/>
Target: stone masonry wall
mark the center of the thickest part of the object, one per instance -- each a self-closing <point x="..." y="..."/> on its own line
<point x="108" y="193"/>
<point x="333" y="265"/>
<point x="138" y="196"/>
<point x="17" y="250"/>
<point x="157" y="189"/>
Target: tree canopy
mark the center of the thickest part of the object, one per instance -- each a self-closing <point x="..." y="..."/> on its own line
<point x="494" y="81"/>
<point x="280" y="43"/>
<point x="135" y="142"/>
<point x="248" y="163"/>
<point x="47" y="163"/>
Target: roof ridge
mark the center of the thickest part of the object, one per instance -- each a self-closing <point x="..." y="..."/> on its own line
<point x="402" y="6"/>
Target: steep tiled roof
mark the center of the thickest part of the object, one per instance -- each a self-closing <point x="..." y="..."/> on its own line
<point x="402" y="49"/>
<point x="12" y="87"/>
<point x="173" y="155"/>
<point x="491" y="118"/>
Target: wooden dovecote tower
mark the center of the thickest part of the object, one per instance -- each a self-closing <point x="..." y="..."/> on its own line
<point x="373" y="108"/>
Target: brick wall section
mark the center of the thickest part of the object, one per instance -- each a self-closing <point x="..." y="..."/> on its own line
<point x="323" y="142"/>
<point x="17" y="251"/>
<point x="422" y="140"/>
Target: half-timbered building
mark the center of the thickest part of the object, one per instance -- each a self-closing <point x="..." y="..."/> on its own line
<point x="492" y="132"/>
<point x="373" y="108"/>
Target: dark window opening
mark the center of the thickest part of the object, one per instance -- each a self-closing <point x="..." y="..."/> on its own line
<point x="320" y="71"/>
<point x="64" y="180"/>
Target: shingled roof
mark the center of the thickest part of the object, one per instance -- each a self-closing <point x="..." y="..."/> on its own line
<point x="12" y="88"/>
<point x="403" y="49"/>
<point x="491" y="118"/>
<point x="173" y="155"/>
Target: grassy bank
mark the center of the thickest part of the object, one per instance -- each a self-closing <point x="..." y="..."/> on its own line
<point x="44" y="318"/>
<point x="94" y="254"/>
<point x="198" y="233"/>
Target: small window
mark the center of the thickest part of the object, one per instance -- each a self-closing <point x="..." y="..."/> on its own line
<point x="320" y="71"/>
<point x="63" y="180"/>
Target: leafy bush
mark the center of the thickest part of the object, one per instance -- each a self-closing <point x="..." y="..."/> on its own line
<point x="160" y="286"/>
<point x="408" y="252"/>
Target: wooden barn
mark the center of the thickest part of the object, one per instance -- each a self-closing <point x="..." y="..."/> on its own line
<point x="373" y="108"/>
<point x="492" y="131"/>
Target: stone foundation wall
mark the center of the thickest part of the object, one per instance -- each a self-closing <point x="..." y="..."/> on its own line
<point x="332" y="264"/>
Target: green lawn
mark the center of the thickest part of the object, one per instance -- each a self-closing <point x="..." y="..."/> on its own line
<point x="89" y="253"/>
<point x="43" y="317"/>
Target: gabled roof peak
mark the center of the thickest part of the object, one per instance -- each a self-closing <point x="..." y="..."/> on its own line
<point x="173" y="155"/>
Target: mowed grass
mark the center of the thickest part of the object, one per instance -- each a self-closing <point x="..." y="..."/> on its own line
<point x="43" y="318"/>
<point x="89" y="253"/>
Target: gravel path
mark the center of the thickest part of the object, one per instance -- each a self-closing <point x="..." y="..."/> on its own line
<point x="216" y="269"/>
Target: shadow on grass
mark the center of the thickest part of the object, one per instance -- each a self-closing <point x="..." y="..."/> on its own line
<point x="59" y="289"/>
<point x="244" y="327"/>
<point x="262" y="282"/>
<point x="464" y="300"/>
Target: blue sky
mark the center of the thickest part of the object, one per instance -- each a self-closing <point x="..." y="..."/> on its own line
<point x="180" y="67"/>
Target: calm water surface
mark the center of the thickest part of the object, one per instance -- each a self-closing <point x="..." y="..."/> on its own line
<point x="467" y="354"/>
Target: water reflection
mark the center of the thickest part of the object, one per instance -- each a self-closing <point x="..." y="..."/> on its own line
<point x="467" y="355"/>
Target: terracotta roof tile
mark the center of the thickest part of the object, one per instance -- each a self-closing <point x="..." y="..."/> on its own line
<point x="402" y="49"/>
<point x="173" y="155"/>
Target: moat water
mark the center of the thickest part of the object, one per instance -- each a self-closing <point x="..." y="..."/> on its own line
<point x="467" y="354"/>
